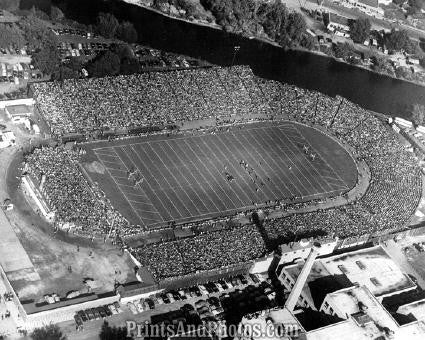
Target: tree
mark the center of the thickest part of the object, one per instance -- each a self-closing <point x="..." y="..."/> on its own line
<point x="414" y="6"/>
<point x="307" y="41"/>
<point x="9" y="5"/>
<point x="359" y="30"/>
<point x="113" y="333"/>
<point x="343" y="50"/>
<point x="273" y="16"/>
<point x="106" y="25"/>
<point x="381" y="64"/>
<point x="56" y="14"/>
<point x="296" y="26"/>
<point x="396" y="40"/>
<point x="124" y="51"/>
<point x="47" y="59"/>
<point x="11" y="36"/>
<point x="107" y="64"/>
<point x="36" y="32"/>
<point x="418" y="114"/>
<point x="126" y="32"/>
<point x="50" y="332"/>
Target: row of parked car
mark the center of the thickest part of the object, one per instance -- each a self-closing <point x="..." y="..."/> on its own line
<point x="97" y="313"/>
<point x="68" y="49"/>
<point x="12" y="73"/>
<point x="71" y="31"/>
<point x="139" y="306"/>
<point x="13" y="50"/>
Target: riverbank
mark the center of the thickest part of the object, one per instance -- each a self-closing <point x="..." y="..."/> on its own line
<point x="268" y="41"/>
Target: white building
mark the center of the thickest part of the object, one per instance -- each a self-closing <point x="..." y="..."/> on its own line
<point x="7" y="138"/>
<point x="18" y="113"/>
<point x="370" y="267"/>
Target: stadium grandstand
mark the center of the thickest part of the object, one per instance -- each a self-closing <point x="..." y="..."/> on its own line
<point x="130" y="138"/>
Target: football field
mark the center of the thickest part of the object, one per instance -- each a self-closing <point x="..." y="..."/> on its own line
<point x="159" y="179"/>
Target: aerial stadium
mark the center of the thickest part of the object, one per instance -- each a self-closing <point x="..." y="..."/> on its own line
<point x="196" y="151"/>
<point x="163" y="180"/>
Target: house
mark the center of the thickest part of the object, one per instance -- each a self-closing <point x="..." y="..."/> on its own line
<point x="335" y="22"/>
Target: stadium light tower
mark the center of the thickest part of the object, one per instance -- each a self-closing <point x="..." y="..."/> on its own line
<point x="235" y="51"/>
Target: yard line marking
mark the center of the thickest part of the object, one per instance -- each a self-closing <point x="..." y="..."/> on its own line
<point x="216" y="179"/>
<point x="261" y="170"/>
<point x="265" y="196"/>
<point x="218" y="159"/>
<point x="175" y="179"/>
<point x="181" y="186"/>
<point x="236" y="170"/>
<point x="123" y="150"/>
<point x="125" y="197"/>
<point x="324" y="159"/>
<point x="255" y="149"/>
<point x="308" y="168"/>
<point x="201" y="173"/>
<point x="196" y="180"/>
<point x="328" y="168"/>
<point x="271" y="149"/>
<point x="293" y="190"/>
<point x="163" y="190"/>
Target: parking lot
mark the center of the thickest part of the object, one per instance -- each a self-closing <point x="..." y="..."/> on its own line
<point x="193" y="305"/>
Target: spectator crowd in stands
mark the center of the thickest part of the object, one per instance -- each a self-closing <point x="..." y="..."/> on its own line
<point x="161" y="98"/>
<point x="82" y="209"/>
<point x="148" y="99"/>
<point x="203" y="252"/>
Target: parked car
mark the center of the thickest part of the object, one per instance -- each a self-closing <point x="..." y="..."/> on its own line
<point x="82" y="315"/>
<point x="112" y="309"/>
<point x="132" y="308"/>
<point x="90" y="314"/>
<point x="102" y="312"/>
<point x="139" y="306"/>
<point x="78" y="320"/>
<point x="96" y="314"/>
<point x="117" y="307"/>
<point x="203" y="290"/>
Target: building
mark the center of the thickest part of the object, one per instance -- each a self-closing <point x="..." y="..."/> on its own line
<point x="347" y="304"/>
<point x="370" y="267"/>
<point x="18" y="113"/>
<point x="300" y="250"/>
<point x="7" y="138"/>
<point x="336" y="23"/>
<point x="369" y="7"/>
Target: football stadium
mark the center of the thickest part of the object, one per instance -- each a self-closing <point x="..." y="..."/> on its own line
<point x="194" y="153"/>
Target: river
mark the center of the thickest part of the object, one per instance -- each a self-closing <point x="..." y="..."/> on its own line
<point x="370" y="90"/>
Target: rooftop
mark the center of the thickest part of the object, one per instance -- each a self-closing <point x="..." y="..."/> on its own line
<point x="18" y="109"/>
<point x="338" y="19"/>
<point x="367" y="318"/>
<point x="370" y="3"/>
<point x="371" y="267"/>
<point x="416" y="309"/>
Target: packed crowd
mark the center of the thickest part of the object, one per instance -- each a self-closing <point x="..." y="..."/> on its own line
<point x="148" y="99"/>
<point x="395" y="187"/>
<point x="160" y="98"/>
<point x="203" y="252"/>
<point x="76" y="205"/>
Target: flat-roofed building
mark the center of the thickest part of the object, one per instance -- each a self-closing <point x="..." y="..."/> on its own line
<point x="370" y="267"/>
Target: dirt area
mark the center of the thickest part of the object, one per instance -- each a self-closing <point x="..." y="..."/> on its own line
<point x="61" y="261"/>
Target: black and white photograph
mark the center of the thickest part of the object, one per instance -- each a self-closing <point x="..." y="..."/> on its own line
<point x="212" y="169"/>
